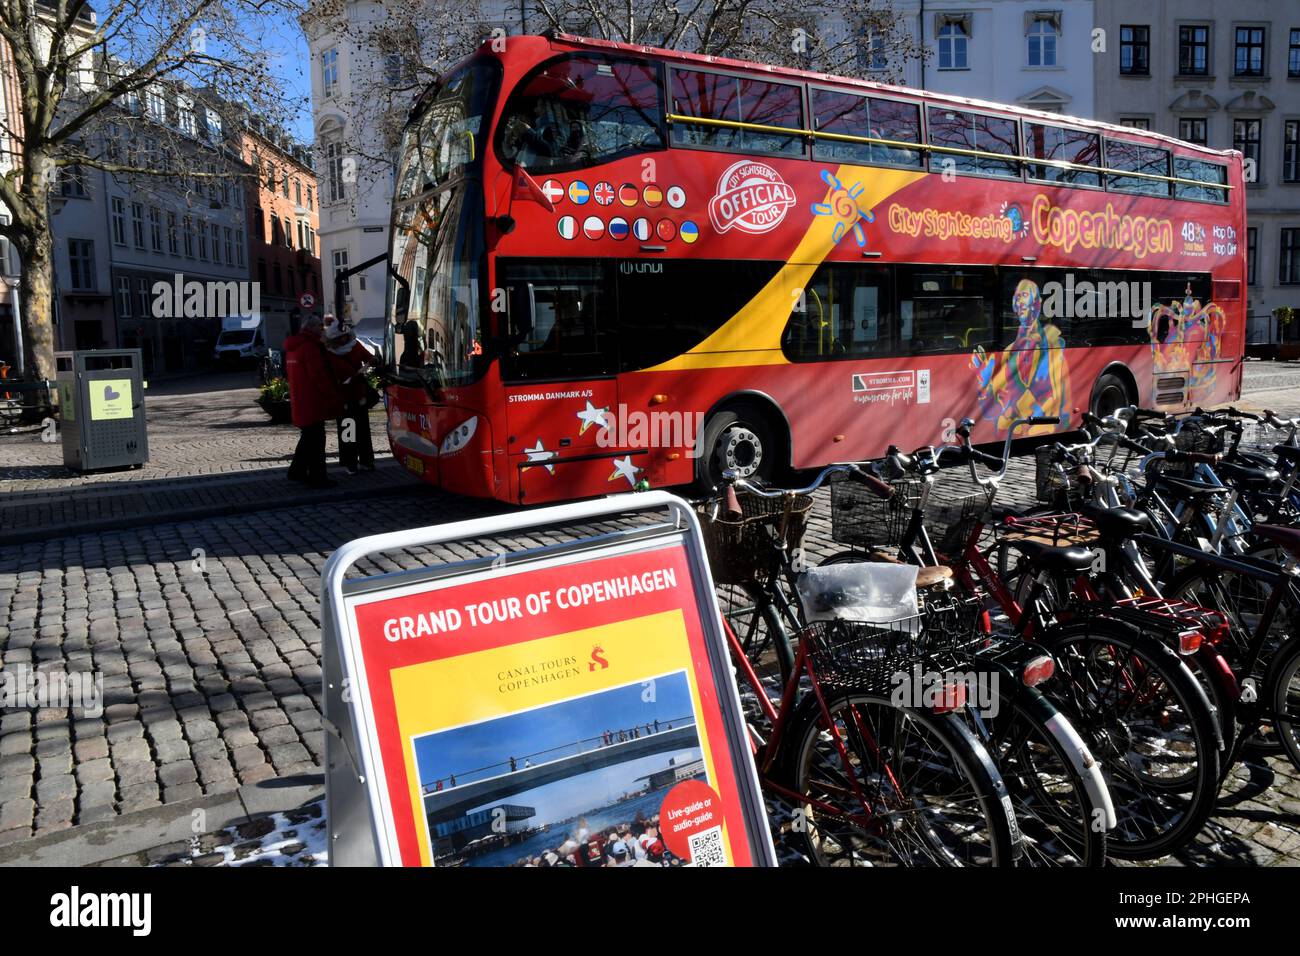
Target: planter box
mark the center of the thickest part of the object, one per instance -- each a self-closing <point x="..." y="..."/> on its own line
<point x="279" y="411"/>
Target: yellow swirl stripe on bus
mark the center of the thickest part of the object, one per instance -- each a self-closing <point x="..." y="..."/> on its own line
<point x="753" y="335"/>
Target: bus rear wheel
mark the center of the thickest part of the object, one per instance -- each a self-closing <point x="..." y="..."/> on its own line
<point x="740" y="438"/>
<point x="1110" y="394"/>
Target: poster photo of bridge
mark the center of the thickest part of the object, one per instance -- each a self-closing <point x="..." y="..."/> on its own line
<point x="577" y="782"/>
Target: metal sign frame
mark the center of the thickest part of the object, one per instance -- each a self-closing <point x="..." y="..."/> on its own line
<point x="358" y="807"/>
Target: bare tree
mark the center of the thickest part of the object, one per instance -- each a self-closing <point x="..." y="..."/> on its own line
<point x="135" y="91"/>
<point x="413" y="42"/>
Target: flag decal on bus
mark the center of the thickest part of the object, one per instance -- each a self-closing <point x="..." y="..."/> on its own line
<point x="567" y="227"/>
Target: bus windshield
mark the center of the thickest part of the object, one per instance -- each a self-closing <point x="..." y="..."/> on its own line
<point x="582" y="110"/>
<point x="437" y="251"/>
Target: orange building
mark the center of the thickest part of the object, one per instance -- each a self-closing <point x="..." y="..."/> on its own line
<point x="283" y="219"/>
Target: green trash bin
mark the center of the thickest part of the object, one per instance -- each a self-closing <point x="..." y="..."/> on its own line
<point x="101" y="404"/>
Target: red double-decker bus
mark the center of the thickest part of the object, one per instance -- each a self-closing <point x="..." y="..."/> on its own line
<point x="615" y="266"/>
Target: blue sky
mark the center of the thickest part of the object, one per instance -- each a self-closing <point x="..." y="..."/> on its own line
<point x="479" y="745"/>
<point x="287" y="44"/>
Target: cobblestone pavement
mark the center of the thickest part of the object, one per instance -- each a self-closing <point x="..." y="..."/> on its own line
<point x="203" y="425"/>
<point x="207" y="635"/>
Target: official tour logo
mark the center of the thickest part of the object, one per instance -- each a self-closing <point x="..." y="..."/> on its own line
<point x="751" y="197"/>
<point x="597" y="659"/>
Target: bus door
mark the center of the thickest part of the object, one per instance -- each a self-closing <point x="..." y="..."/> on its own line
<point x="561" y="392"/>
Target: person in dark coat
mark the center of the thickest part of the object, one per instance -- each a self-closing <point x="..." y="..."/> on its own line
<point x="313" y="400"/>
<point x="347" y="361"/>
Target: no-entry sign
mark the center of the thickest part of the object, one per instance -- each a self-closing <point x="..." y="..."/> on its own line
<point x="306" y="300"/>
<point x="568" y="706"/>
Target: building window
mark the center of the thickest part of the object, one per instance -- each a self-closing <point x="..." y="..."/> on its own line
<point x="1245" y="137"/>
<point x="1252" y="239"/>
<point x="203" y="240"/>
<point x="297" y="192"/>
<point x="185" y="116"/>
<point x="119" y="221"/>
<point x="1194" y="50"/>
<point x="1248" y="58"/>
<point x="72" y="181"/>
<point x="270" y="177"/>
<point x="1192" y="129"/>
<point x="155" y="228"/>
<point x="214" y="125"/>
<point x="81" y="265"/>
<point x="953" y="41"/>
<point x="1135" y="51"/>
<point x="329" y="71"/>
<point x="230" y="245"/>
<point x="309" y="197"/>
<point x="259" y="225"/>
<point x="142" y="296"/>
<point x="189" y="237"/>
<point x="216" y="244"/>
<point x="1293" y="55"/>
<point x="155" y="105"/>
<point x="137" y="224"/>
<point x="340" y="259"/>
<point x="124" y="297"/>
<point x="1135" y="122"/>
<point x="1291" y="151"/>
<point x="276" y="285"/>
<point x="1042" y="42"/>
<point x="239" y="248"/>
<point x="334" y="171"/>
<point x="284" y="182"/>
<point x="1288" y="270"/>
<point x="173" y="240"/>
<point x="870" y="54"/>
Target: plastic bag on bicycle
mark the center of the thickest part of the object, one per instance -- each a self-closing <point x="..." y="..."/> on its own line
<point x="874" y="593"/>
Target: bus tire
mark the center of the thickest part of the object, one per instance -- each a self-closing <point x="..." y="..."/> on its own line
<point x="741" y="437"/>
<point x="1110" y="394"/>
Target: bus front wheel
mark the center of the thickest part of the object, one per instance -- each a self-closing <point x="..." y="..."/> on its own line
<point x="741" y="438"/>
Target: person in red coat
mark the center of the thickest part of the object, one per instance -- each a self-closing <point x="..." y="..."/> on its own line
<point x="313" y="399"/>
<point x="347" y="361"/>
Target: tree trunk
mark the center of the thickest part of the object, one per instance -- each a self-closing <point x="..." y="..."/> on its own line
<point x="37" y="292"/>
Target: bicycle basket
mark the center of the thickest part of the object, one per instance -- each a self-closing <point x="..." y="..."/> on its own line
<point x="861" y="517"/>
<point x="950" y="521"/>
<point x="742" y="549"/>
<point x="852" y="655"/>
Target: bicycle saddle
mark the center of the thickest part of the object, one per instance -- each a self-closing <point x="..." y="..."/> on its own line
<point x="1071" y="558"/>
<point x="1252" y="479"/>
<point x="1287" y="453"/>
<point x="1287" y="538"/>
<point x="1116" y="522"/>
<point x="1190" y="489"/>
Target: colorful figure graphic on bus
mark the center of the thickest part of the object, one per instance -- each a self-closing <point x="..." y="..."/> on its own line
<point x="1188" y="337"/>
<point x="841" y="203"/>
<point x="1030" y="377"/>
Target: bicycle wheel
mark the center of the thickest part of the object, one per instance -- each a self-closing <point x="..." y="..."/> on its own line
<point x="933" y="795"/>
<point x="1148" y="722"/>
<point x="1283" y="695"/>
<point x="1242" y="597"/>
<point x="1060" y="822"/>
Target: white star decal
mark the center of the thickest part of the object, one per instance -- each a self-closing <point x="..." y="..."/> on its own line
<point x="623" y="468"/>
<point x="539" y="454"/>
<point x="592" y="415"/>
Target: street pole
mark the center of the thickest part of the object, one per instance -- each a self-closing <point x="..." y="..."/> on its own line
<point x="19" y="363"/>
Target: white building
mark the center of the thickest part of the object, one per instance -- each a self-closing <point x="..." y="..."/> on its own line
<point x="1032" y="54"/>
<point x="354" y="153"/>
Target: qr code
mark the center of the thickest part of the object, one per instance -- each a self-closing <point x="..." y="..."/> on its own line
<point x="707" y="849"/>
